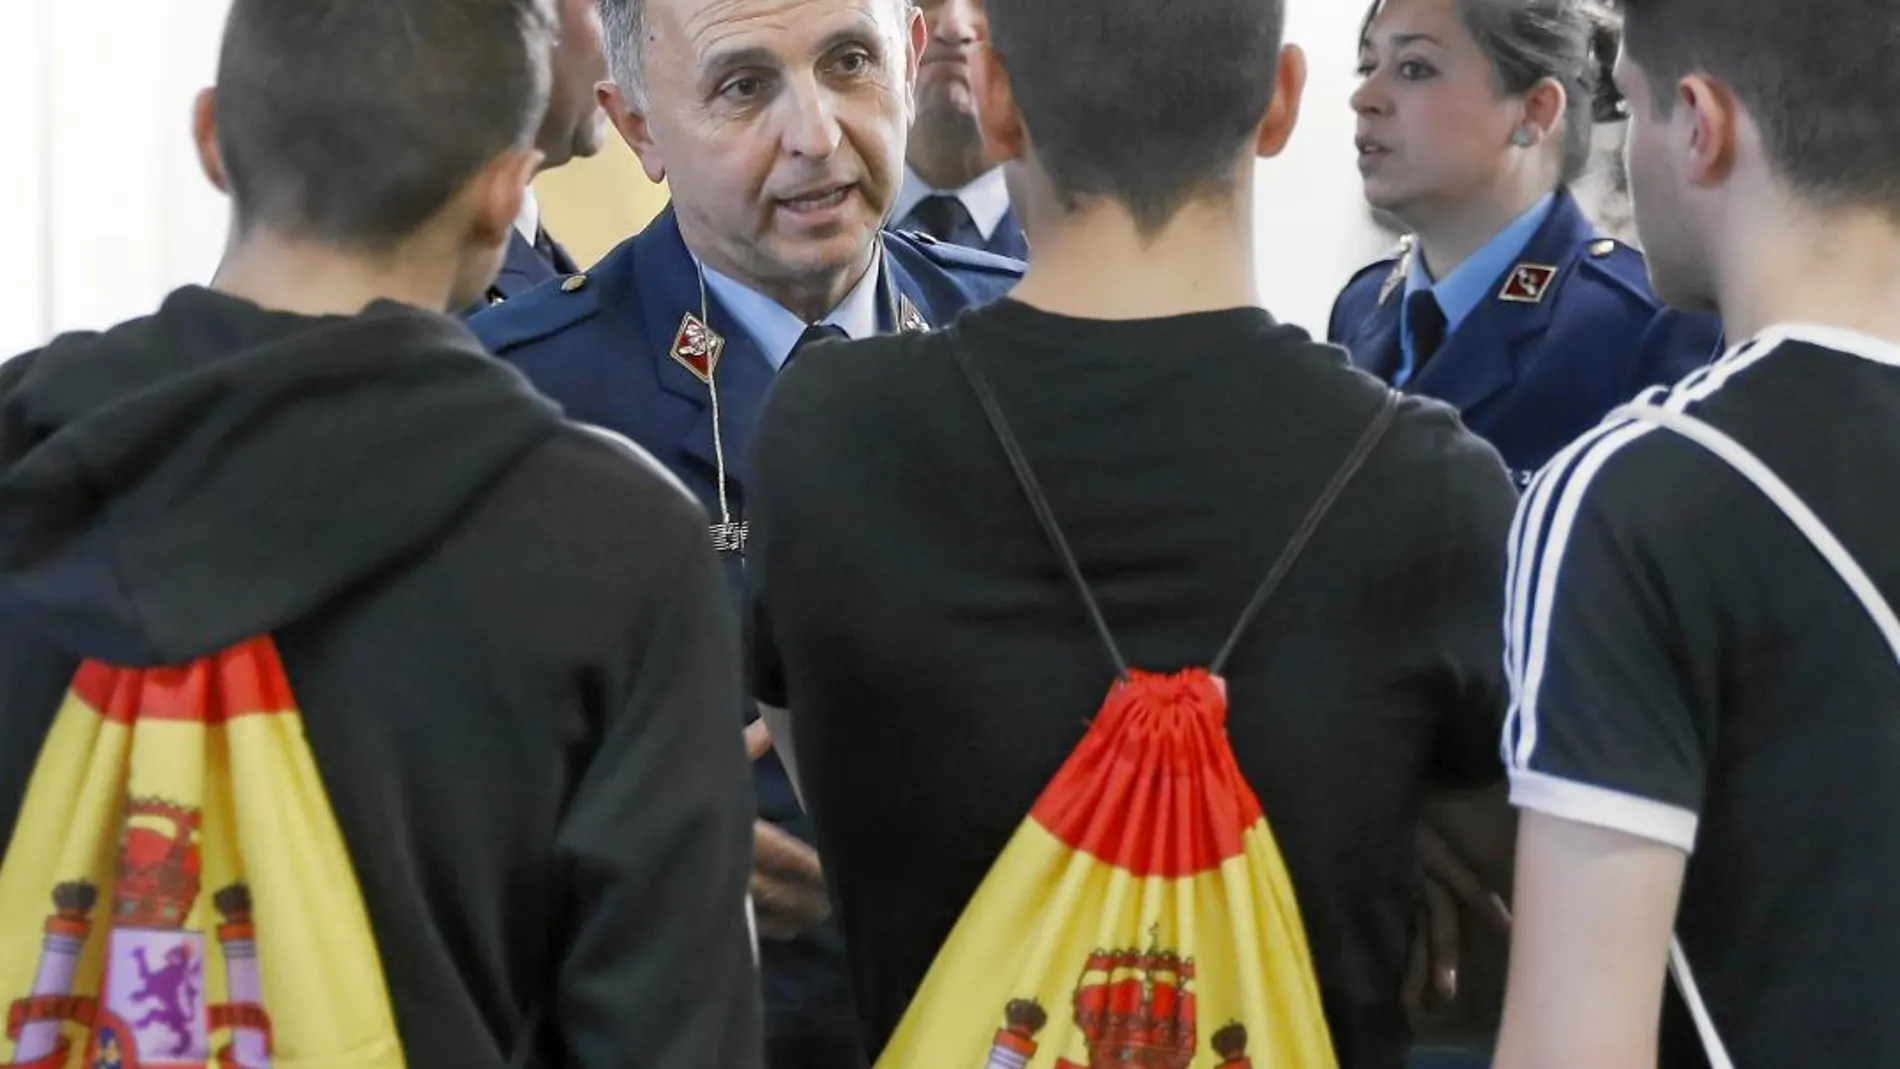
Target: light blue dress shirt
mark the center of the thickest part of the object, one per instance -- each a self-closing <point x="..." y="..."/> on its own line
<point x="776" y="330"/>
<point x="1470" y="283"/>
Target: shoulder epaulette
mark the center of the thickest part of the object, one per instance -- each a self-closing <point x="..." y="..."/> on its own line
<point x="541" y="312"/>
<point x="959" y="257"/>
<point x="1619" y="265"/>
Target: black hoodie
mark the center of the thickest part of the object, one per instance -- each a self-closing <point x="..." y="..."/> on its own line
<point x="509" y="638"/>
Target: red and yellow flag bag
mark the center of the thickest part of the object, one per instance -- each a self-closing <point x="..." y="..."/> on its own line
<point x="177" y="892"/>
<point x="1142" y="916"/>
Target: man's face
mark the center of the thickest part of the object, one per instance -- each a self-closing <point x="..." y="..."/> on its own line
<point x="1666" y="216"/>
<point x="575" y="126"/>
<point x="779" y="126"/>
<point x="946" y="106"/>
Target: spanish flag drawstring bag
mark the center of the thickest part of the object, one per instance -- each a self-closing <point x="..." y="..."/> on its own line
<point x="1142" y="915"/>
<point x="177" y="892"/>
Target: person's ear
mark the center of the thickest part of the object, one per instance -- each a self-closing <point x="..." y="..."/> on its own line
<point x="917" y="40"/>
<point x="494" y="196"/>
<point x="629" y="116"/>
<point x="204" y="134"/>
<point x="1542" y="109"/>
<point x="1713" y="118"/>
<point x="1283" y="112"/>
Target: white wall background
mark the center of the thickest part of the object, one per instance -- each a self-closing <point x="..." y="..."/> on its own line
<point x="1311" y="224"/>
<point x="106" y="208"/>
<point x="103" y="210"/>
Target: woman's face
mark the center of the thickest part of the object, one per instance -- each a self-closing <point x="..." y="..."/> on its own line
<point x="1433" y="130"/>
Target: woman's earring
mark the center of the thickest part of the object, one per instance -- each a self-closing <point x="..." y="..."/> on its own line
<point x="1522" y="137"/>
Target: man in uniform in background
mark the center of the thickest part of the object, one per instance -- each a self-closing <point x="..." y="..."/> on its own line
<point x="575" y="128"/>
<point x="953" y="190"/>
<point x="780" y="126"/>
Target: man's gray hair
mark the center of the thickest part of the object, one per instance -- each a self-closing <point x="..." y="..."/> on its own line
<point x="624" y="23"/>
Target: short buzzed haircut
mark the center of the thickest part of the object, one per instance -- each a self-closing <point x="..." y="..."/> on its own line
<point x="353" y="122"/>
<point x="1150" y="103"/>
<point x="1819" y="77"/>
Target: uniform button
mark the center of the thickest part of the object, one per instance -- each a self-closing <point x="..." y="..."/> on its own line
<point x="1602" y="248"/>
<point x="572" y="283"/>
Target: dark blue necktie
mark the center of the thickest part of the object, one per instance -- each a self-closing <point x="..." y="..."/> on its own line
<point x="817" y="332"/>
<point x="945" y="218"/>
<point x="1426" y="322"/>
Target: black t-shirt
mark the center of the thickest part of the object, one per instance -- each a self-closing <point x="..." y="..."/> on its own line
<point x="939" y="666"/>
<point x="1690" y="670"/>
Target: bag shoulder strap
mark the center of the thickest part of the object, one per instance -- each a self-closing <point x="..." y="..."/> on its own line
<point x="1369" y="440"/>
<point x="1039" y="502"/>
<point x="1783" y="497"/>
<point x="1738" y="457"/>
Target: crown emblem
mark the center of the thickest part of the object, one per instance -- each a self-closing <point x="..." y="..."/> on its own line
<point x="1136" y="1007"/>
<point x="1231" y="1044"/>
<point x="73" y="901"/>
<point x="157" y="880"/>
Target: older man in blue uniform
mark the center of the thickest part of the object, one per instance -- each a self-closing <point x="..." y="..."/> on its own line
<point x="1533" y="339"/>
<point x="779" y="126"/>
<point x="953" y="190"/>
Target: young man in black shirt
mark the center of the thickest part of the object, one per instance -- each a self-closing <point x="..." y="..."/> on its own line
<point x="507" y="635"/>
<point x="907" y="609"/>
<point x="1704" y="737"/>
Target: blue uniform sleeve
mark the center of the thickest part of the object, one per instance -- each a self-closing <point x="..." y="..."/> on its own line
<point x="1675" y="345"/>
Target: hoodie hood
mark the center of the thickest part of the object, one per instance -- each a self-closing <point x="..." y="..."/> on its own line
<point x="216" y="471"/>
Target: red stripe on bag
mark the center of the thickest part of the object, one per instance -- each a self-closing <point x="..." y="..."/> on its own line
<point x="246" y="680"/>
<point x="1153" y="787"/>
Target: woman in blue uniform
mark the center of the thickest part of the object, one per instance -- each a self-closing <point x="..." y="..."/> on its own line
<point x="1504" y="300"/>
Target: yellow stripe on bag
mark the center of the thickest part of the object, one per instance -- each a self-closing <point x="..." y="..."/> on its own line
<point x="1142" y="915"/>
<point x="177" y="892"/>
<point x="992" y="959"/>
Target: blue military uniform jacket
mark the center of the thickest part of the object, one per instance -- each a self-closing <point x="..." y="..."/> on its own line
<point x="988" y="191"/>
<point x="1006" y="240"/>
<point x="601" y="346"/>
<point x="524" y="268"/>
<point x="1567" y="334"/>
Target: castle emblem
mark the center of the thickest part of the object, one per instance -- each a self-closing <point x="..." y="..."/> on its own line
<point x="1135" y="1009"/>
<point x="154" y="1010"/>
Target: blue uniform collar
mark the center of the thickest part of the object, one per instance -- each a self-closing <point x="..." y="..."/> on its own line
<point x="1475" y="281"/>
<point x="522" y="269"/>
<point x="662" y="279"/>
<point x="986" y="199"/>
<point x="1480" y="361"/>
<point x="776" y="330"/>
